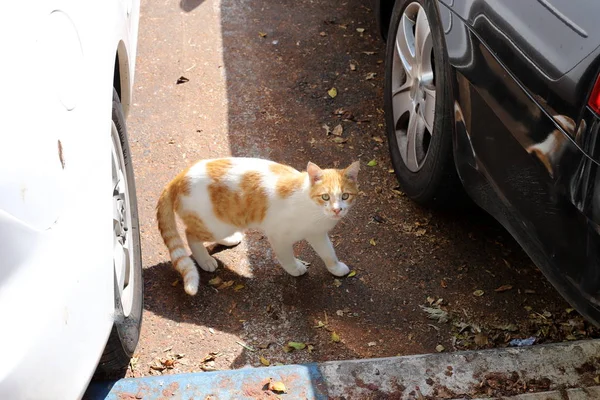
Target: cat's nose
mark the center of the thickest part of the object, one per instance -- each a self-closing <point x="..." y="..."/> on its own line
<point x="337" y="210"/>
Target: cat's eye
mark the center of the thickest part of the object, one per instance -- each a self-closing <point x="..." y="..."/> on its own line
<point x="345" y="196"/>
<point x="325" y="197"/>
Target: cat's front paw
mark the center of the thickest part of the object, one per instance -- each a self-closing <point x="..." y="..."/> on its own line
<point x="339" y="269"/>
<point x="296" y="269"/>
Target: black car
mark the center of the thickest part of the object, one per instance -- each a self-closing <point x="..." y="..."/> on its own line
<point x="503" y="97"/>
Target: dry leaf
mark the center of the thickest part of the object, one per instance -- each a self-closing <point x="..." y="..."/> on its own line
<point x="352" y="273"/>
<point x="360" y="30"/>
<point x="264" y="361"/>
<point x="225" y="285"/>
<point x="335" y="337"/>
<point x="371" y="75"/>
<point x="369" y="53"/>
<point x="443" y="284"/>
<point x="340" y="140"/>
<point x="338" y="130"/>
<point x="377" y="139"/>
<point x="310" y="348"/>
<point x="277" y="387"/>
<point x="503" y="288"/>
<point x="297" y="345"/>
<point x="372" y="163"/>
<point x="320" y="324"/>
<point x="420" y="232"/>
<point x="478" y="293"/>
<point x="352" y="67"/>
<point x="373" y="242"/>
<point x="435" y="313"/>
<point x="371" y="344"/>
<point x="215" y="281"/>
<point x="332" y="92"/>
<point x="439" y="348"/>
<point x="238" y="287"/>
<point x="175" y="282"/>
<point x="322" y="33"/>
<point x="337" y="283"/>
<point x="481" y="339"/>
<point x="262" y="34"/>
<point x="327" y="129"/>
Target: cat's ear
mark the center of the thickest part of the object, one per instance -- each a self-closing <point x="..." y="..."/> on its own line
<point x="314" y="172"/>
<point x="352" y="171"/>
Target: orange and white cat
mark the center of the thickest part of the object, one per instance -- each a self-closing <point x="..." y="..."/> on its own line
<point x="218" y="199"/>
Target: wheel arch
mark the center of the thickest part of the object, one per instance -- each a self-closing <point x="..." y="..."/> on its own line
<point x="121" y="77"/>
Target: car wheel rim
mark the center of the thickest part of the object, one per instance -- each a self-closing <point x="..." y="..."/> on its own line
<point x="123" y="236"/>
<point x="413" y="86"/>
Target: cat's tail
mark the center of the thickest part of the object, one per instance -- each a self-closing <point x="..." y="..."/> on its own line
<point x="168" y="230"/>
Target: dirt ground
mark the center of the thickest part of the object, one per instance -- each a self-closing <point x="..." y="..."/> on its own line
<point x="257" y="75"/>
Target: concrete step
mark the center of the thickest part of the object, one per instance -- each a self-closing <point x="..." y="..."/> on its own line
<point x="554" y="371"/>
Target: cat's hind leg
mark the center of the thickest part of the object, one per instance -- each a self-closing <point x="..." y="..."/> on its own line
<point x="200" y="254"/>
<point x="232" y="240"/>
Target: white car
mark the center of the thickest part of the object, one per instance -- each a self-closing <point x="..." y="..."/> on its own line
<point x="70" y="261"/>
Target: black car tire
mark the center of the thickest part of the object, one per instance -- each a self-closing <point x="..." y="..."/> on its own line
<point x="125" y="333"/>
<point x="436" y="183"/>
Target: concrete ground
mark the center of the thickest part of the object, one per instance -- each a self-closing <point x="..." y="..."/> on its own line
<point x="257" y="75"/>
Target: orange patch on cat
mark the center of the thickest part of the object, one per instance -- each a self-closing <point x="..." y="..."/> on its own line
<point x="289" y="180"/>
<point x="242" y="208"/>
<point x="179" y="186"/>
<point x="333" y="180"/>
<point x="217" y="169"/>
<point x="196" y="229"/>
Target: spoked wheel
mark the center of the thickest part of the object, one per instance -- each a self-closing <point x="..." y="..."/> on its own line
<point x="127" y="258"/>
<point x="417" y="103"/>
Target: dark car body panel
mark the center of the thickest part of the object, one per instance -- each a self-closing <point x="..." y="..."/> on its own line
<point x="526" y="146"/>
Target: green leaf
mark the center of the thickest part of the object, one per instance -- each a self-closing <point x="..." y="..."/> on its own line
<point x="372" y="163"/>
<point x="297" y="345"/>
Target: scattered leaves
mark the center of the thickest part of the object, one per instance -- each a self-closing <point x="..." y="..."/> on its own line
<point x="264" y="361"/>
<point x="503" y="288"/>
<point x="481" y="339"/>
<point x="332" y="92"/>
<point x="297" y="345"/>
<point x="216" y="281"/>
<point x="372" y="163"/>
<point x="371" y="75"/>
<point x="335" y="337"/>
<point x="225" y="285"/>
<point x="436" y="314"/>
<point x="277" y="387"/>
<point x="352" y="273"/>
<point x="439" y="348"/>
<point x="338" y="130"/>
<point x="246" y="346"/>
<point x="478" y="293"/>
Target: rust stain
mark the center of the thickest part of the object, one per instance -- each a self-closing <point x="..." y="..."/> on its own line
<point x="60" y="154"/>
<point x="170" y="391"/>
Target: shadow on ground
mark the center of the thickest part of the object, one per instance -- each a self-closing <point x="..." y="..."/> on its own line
<point x="280" y="60"/>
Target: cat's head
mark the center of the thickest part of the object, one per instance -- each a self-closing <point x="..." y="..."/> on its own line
<point x="335" y="190"/>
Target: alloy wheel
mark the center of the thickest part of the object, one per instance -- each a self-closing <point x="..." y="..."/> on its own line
<point x="413" y="86"/>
